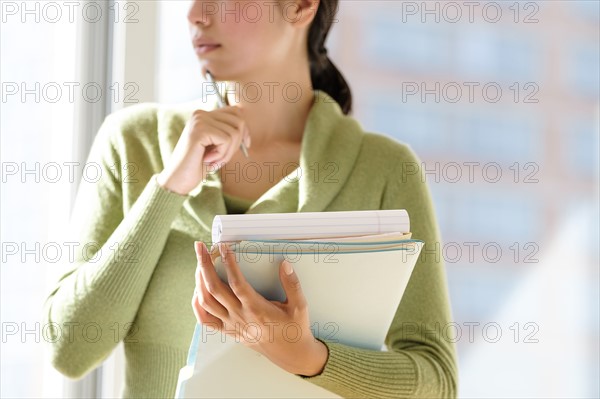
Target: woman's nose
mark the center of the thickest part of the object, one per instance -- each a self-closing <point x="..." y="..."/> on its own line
<point x="201" y="11"/>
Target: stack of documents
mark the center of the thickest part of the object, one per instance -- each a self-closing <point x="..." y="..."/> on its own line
<point x="353" y="267"/>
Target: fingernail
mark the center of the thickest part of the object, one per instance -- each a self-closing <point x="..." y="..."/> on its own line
<point x="287" y="267"/>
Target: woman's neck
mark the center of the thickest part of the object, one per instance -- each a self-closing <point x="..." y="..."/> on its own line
<point x="275" y="110"/>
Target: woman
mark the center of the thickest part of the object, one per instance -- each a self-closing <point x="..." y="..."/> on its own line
<point x="134" y="269"/>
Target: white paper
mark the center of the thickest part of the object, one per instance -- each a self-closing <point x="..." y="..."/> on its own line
<point x="306" y="225"/>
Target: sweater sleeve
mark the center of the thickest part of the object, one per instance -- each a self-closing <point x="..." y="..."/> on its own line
<point x="92" y="306"/>
<point x="421" y="358"/>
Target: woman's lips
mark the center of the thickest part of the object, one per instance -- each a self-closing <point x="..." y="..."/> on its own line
<point x="205" y="48"/>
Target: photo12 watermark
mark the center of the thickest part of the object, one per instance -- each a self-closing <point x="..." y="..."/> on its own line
<point x="69" y="92"/>
<point x="68" y="332"/>
<point x="53" y="12"/>
<point x="470" y="172"/>
<point x="453" y="12"/>
<point x="471" y="92"/>
<point x="54" y="252"/>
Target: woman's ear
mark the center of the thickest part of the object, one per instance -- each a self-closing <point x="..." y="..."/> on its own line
<point x="300" y="12"/>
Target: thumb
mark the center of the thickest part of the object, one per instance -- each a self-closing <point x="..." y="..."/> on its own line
<point x="291" y="284"/>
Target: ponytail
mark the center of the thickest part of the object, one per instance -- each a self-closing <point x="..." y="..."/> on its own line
<point x="323" y="73"/>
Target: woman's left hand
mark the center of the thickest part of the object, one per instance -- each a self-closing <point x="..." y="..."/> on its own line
<point x="278" y="330"/>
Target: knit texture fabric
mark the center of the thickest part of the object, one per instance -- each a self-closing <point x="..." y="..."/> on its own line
<point x="132" y="277"/>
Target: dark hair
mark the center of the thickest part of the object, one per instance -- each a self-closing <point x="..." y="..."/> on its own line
<point x="323" y="73"/>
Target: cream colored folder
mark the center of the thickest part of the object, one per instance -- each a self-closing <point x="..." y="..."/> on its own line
<point x="353" y="286"/>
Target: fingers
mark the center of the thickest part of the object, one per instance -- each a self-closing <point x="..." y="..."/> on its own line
<point x="208" y="301"/>
<point x="239" y="130"/>
<point x="202" y="315"/>
<point x="242" y="127"/>
<point x="227" y="120"/>
<point x="214" y="143"/>
<point x="211" y="282"/>
<point x="233" y="116"/>
<point x="223" y="139"/>
<point x="235" y="146"/>
<point x="291" y="285"/>
<point x="238" y="283"/>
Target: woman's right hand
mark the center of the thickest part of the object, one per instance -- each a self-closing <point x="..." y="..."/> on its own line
<point x="208" y="140"/>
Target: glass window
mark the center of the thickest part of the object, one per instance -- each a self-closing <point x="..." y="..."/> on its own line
<point x="496" y="53"/>
<point x="425" y="126"/>
<point x="498" y="134"/>
<point x="589" y="10"/>
<point x="38" y="65"/>
<point x="412" y="44"/>
<point x="518" y="56"/>
<point x="179" y="73"/>
<point x="583" y="64"/>
<point x="476" y="56"/>
<point x="581" y="136"/>
<point x="490" y="212"/>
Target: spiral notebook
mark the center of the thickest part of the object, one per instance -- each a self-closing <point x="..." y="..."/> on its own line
<point x="353" y="267"/>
